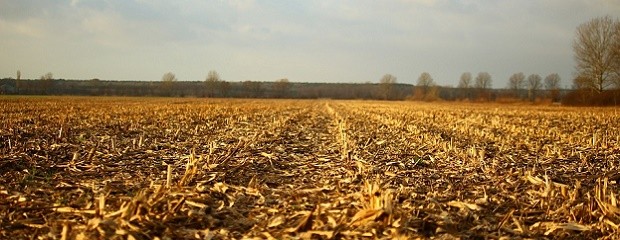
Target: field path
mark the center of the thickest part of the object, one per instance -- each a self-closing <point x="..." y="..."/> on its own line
<point x="300" y="168"/>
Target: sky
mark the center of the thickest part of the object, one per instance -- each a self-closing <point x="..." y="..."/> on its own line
<point x="352" y="41"/>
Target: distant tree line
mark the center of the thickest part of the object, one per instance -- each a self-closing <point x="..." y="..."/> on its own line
<point x="476" y="89"/>
<point x="214" y="86"/>
<point x="386" y="89"/>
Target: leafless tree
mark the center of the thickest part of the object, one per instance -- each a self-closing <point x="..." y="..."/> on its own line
<point x="516" y="82"/>
<point x="552" y="81"/>
<point x="425" y="82"/>
<point x="168" y="77"/>
<point x="483" y="83"/>
<point x="534" y="83"/>
<point x="168" y="80"/>
<point x="465" y="80"/>
<point x="597" y="60"/>
<point x="465" y="84"/>
<point x="212" y="83"/>
<point x="213" y="76"/>
<point x="386" y="86"/>
<point x="552" y="84"/>
<point x="483" y="80"/>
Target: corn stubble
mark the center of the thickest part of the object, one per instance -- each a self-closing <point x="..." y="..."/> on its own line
<point x="123" y="168"/>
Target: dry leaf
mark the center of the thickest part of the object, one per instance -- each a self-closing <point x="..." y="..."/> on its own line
<point x="566" y="226"/>
<point x="277" y="221"/>
<point x="219" y="187"/>
<point x="464" y="205"/>
<point x="364" y="216"/>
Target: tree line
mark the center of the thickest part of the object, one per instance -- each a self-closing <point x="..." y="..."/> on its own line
<point x="596" y="81"/>
<point x="387" y="88"/>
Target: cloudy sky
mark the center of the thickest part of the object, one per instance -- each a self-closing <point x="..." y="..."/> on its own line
<point x="302" y="40"/>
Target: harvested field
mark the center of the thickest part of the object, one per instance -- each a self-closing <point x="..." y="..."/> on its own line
<point x="138" y="168"/>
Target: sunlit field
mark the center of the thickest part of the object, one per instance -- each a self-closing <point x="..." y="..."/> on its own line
<point x="164" y="168"/>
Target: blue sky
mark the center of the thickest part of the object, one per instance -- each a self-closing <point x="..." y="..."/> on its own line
<point x="302" y="40"/>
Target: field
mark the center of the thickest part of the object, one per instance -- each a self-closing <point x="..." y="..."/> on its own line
<point x="140" y="168"/>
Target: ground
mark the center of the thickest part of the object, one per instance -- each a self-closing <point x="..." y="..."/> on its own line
<point x="164" y="168"/>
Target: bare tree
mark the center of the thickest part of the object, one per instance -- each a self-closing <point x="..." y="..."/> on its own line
<point x="516" y="82"/>
<point x="213" y="76"/>
<point x="168" y="80"/>
<point x="386" y="84"/>
<point x="552" y="84"/>
<point x="425" y="82"/>
<point x="597" y="60"/>
<point x="168" y="77"/>
<point x="483" y="80"/>
<point x="534" y="83"/>
<point x="483" y="83"/>
<point x="212" y="83"/>
<point x="465" y="80"/>
<point x="465" y="84"/>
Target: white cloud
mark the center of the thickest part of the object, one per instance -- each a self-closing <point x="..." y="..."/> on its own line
<point x="32" y="27"/>
<point x="107" y="29"/>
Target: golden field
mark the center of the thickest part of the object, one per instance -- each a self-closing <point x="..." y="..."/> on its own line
<point x="164" y="168"/>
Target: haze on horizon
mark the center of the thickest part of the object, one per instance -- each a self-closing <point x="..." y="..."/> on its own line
<point x="304" y="41"/>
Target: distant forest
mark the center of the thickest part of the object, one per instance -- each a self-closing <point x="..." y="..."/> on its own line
<point x="285" y="89"/>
